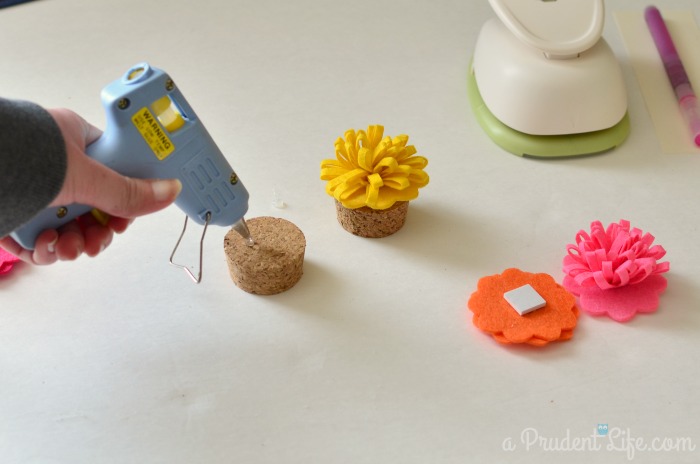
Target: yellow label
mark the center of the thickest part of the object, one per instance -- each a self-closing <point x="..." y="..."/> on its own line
<point x="153" y="134"/>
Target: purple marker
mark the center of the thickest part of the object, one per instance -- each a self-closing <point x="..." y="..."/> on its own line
<point x="675" y="71"/>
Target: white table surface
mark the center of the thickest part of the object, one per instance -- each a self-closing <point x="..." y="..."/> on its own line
<point x="372" y="356"/>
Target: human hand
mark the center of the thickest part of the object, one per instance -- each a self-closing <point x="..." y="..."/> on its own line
<point x="91" y="183"/>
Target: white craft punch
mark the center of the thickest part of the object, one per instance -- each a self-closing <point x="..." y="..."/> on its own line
<point x="544" y="82"/>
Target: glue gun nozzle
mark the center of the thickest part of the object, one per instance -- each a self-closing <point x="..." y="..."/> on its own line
<point x="242" y="228"/>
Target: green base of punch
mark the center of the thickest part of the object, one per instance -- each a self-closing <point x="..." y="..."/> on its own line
<point x="543" y="146"/>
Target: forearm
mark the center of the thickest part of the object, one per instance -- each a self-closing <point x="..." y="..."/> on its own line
<point x="32" y="162"/>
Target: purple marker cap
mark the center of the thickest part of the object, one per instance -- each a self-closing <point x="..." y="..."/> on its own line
<point x="659" y="32"/>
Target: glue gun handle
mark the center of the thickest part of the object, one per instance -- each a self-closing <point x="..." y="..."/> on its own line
<point x="57" y="216"/>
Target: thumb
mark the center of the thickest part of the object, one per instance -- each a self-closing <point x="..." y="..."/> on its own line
<point x="92" y="183"/>
<point x="128" y="197"/>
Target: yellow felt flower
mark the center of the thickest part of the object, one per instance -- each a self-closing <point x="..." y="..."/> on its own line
<point x="372" y="170"/>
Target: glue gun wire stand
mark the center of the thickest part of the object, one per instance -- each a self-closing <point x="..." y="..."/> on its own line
<point x="241" y="227"/>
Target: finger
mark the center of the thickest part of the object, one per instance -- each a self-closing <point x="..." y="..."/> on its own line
<point x="9" y="245"/>
<point x="118" y="224"/>
<point x="96" y="236"/>
<point x="70" y="242"/>
<point x="43" y="252"/>
<point x="45" y="248"/>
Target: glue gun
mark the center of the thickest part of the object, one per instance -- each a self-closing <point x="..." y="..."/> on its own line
<point x="152" y="132"/>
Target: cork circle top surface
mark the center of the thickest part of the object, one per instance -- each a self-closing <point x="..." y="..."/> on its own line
<point x="274" y="263"/>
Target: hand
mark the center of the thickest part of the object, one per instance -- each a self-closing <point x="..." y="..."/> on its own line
<point x="91" y="183"/>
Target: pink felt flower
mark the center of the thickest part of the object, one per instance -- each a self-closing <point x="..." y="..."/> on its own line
<point x="620" y="304"/>
<point x="615" y="271"/>
<point x="7" y="261"/>
<point x="613" y="257"/>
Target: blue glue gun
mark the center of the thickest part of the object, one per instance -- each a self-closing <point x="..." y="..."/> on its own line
<point x="152" y="132"/>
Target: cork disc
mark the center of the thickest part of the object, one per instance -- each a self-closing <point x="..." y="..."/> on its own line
<point x="372" y="223"/>
<point x="274" y="264"/>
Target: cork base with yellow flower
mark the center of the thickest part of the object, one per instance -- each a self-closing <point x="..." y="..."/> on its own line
<point x="372" y="178"/>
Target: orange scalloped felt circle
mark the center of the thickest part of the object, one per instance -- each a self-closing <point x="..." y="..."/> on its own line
<point x="556" y="321"/>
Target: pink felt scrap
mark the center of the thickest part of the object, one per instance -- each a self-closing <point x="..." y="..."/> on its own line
<point x="615" y="271"/>
<point x="7" y="261"/>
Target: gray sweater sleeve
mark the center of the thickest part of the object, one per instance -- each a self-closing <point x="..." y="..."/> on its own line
<point x="32" y="162"/>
